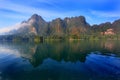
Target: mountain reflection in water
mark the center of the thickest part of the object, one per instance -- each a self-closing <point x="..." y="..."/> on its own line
<point x="85" y="60"/>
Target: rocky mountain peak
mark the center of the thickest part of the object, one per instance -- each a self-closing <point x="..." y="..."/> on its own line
<point x="37" y="18"/>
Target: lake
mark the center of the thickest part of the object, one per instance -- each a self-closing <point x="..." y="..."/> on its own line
<point x="58" y="60"/>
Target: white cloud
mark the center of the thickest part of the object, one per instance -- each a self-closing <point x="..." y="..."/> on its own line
<point x="106" y="14"/>
<point x="47" y="1"/>
<point x="15" y="16"/>
<point x="31" y="10"/>
<point x="27" y="9"/>
<point x="9" y="28"/>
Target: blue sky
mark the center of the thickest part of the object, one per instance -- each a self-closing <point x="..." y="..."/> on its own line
<point x="13" y="12"/>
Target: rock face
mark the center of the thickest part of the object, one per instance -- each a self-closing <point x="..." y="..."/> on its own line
<point x="109" y="32"/>
<point x="76" y="25"/>
<point x="36" y="25"/>
<point x="39" y="24"/>
<point x="116" y="26"/>
<point x="57" y="27"/>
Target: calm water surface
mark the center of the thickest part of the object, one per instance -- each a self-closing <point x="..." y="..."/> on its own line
<point x="83" y="60"/>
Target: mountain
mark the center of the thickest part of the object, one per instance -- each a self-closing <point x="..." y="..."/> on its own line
<point x="68" y="27"/>
<point x="112" y="28"/>
<point x="36" y="25"/>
